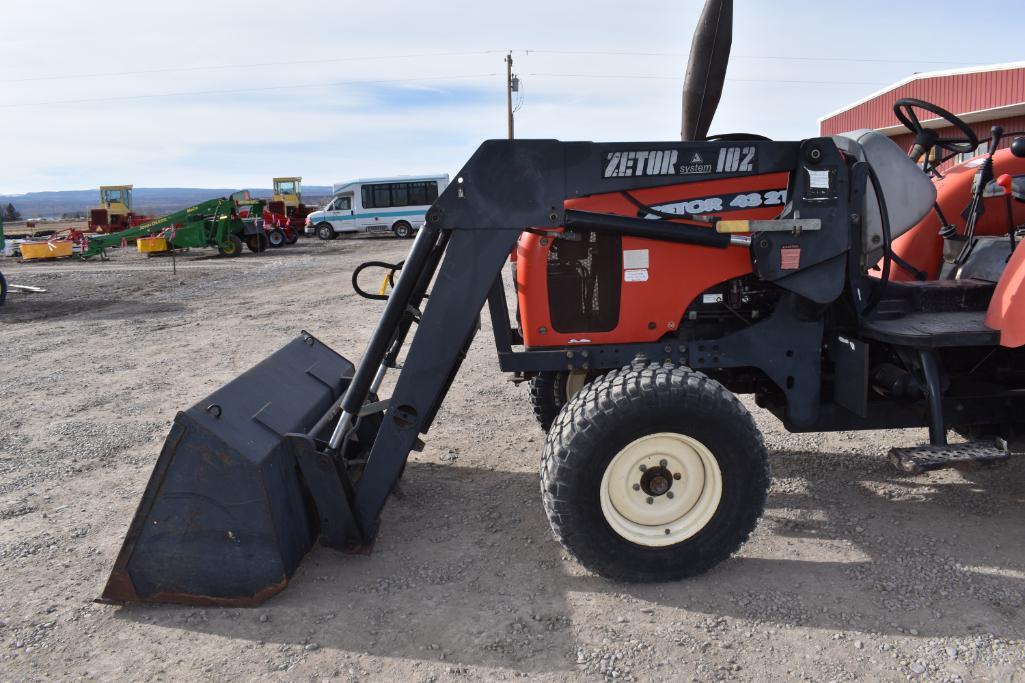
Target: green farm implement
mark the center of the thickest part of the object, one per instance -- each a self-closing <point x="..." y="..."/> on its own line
<point x="213" y="223"/>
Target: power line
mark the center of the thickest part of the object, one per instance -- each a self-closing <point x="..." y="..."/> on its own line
<point x="728" y="80"/>
<point x="769" y="57"/>
<point x="244" y="90"/>
<point x="252" y="65"/>
<point x="423" y="55"/>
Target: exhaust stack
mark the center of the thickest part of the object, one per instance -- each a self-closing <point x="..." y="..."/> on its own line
<point x="706" y="68"/>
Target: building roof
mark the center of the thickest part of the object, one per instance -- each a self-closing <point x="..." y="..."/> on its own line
<point x="977" y="93"/>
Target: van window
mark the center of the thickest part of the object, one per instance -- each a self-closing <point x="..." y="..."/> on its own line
<point x="342" y="204"/>
<point x="400" y="194"/>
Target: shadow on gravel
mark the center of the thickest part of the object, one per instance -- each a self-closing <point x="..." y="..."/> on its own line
<point x="939" y="553"/>
<point x="466" y="571"/>
<point x="44" y="307"/>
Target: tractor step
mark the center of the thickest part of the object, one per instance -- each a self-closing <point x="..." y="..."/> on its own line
<point x="926" y="458"/>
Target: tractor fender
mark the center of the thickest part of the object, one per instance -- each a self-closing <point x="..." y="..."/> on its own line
<point x="1006" y="311"/>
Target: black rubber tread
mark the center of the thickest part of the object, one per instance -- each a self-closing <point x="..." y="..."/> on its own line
<point x="547" y="396"/>
<point x="3" y="289"/>
<point x="320" y="227"/>
<point x="276" y="234"/>
<point x="614" y="410"/>
<point x="236" y="248"/>
<point x="257" y="243"/>
<point x="395" y="229"/>
<point x="291" y="236"/>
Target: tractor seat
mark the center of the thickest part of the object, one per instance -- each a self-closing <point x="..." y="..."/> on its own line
<point x="909" y="193"/>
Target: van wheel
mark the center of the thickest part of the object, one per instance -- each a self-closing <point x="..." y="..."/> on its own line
<point x="402" y="229"/>
<point x="325" y="231"/>
<point x="653" y="473"/>
<point x="276" y="238"/>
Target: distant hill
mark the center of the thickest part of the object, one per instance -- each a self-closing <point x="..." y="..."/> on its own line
<point x="155" y="201"/>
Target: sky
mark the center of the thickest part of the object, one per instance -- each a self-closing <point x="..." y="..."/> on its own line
<point x="222" y="93"/>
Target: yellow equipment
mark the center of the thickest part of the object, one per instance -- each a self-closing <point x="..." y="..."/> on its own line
<point x="150" y="245"/>
<point x="115" y="210"/>
<point x="41" y="250"/>
<point x="288" y="191"/>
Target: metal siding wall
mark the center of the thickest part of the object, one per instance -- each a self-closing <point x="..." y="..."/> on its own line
<point x="960" y="93"/>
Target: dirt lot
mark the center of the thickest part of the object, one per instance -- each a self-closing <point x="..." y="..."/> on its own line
<point x="855" y="571"/>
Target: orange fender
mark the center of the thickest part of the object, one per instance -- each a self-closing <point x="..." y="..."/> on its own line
<point x="1006" y="311"/>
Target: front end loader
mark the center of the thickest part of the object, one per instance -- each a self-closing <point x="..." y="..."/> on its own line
<point x="665" y="278"/>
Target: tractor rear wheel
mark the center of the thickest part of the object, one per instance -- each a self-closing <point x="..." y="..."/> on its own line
<point x="257" y="242"/>
<point x="549" y="392"/>
<point x="325" y="231"/>
<point x="276" y="238"/>
<point x="231" y="247"/>
<point x="653" y="474"/>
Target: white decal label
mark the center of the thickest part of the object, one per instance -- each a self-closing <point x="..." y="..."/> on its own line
<point x="636" y="275"/>
<point x="635" y="258"/>
<point x="818" y="180"/>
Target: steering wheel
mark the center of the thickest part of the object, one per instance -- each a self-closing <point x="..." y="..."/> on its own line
<point x="927" y="138"/>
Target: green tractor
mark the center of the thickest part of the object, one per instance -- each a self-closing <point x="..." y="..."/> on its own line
<point x="213" y="223"/>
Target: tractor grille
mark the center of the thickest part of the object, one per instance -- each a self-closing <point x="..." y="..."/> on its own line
<point x="583" y="283"/>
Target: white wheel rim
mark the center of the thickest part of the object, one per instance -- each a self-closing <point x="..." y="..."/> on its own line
<point x="575" y="381"/>
<point x="679" y="512"/>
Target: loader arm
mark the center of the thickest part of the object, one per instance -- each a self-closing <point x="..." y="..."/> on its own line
<point x="511" y="186"/>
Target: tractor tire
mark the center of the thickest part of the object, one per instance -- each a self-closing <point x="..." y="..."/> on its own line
<point x="3" y="289"/>
<point x="232" y="247"/>
<point x="276" y="238"/>
<point x="257" y="243"/>
<point x="325" y="231"/>
<point x="291" y="236"/>
<point x="653" y="473"/>
<point x="402" y="230"/>
<point x="549" y="392"/>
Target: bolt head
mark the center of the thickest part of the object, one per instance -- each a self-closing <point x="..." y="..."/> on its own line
<point x="663" y="462"/>
<point x="677" y="476"/>
<point x="637" y="487"/>
<point x="669" y="494"/>
<point x="651" y="500"/>
<point x="643" y="468"/>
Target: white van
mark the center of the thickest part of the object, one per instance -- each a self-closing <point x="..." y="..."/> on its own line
<point x="397" y="204"/>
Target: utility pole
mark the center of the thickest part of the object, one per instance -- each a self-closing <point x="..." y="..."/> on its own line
<point x="509" y="92"/>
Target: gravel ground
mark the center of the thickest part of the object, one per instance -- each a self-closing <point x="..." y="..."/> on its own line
<point x="856" y="572"/>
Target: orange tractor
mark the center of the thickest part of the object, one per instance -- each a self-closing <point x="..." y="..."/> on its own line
<point x="655" y="282"/>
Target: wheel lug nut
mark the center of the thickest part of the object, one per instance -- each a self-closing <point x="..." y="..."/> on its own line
<point x="667" y="532"/>
<point x="669" y="494"/>
<point x="637" y="487"/>
<point x="663" y="463"/>
<point x="650" y="501"/>
<point x="643" y="468"/>
<point x="677" y="476"/>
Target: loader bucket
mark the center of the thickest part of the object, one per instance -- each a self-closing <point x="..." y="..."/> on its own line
<point x="227" y="517"/>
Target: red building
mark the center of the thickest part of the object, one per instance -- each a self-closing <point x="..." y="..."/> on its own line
<point x="981" y="96"/>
